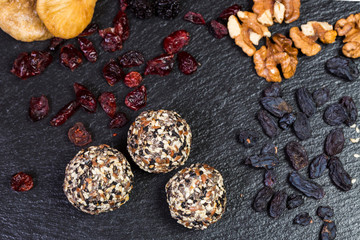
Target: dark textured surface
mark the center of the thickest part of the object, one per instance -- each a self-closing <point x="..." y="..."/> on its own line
<point x="219" y="99"/>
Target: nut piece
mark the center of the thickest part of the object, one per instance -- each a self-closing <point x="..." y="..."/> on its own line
<point x="279" y="12"/>
<point x="292" y="10"/>
<point x="265" y="11"/>
<point x="233" y="26"/>
<point x="250" y="20"/>
<point x="350" y="28"/>
<point x="307" y="45"/>
<point x="322" y="30"/>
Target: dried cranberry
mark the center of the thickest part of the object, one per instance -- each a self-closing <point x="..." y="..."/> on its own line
<point x="131" y="59"/>
<point x="28" y="65"/>
<point x="161" y="65"/>
<point x="176" y="41"/>
<point x="39" y="108"/>
<point x="107" y="101"/>
<point x="113" y="73"/>
<point x="111" y="40"/>
<point x="70" y="57"/>
<point x="136" y="99"/>
<point x="88" y="49"/>
<point x="78" y="135"/>
<point x="55" y="42"/>
<point x="22" y="182"/>
<point x="217" y="29"/>
<point x="119" y="120"/>
<point x="230" y="11"/>
<point x="123" y="5"/>
<point x="64" y="114"/>
<point x="86" y="99"/>
<point x="89" y="30"/>
<point x="121" y="24"/>
<point x="187" y="63"/>
<point x="195" y="18"/>
<point x="133" y="79"/>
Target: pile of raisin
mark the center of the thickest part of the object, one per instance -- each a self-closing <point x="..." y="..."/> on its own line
<point x="165" y="9"/>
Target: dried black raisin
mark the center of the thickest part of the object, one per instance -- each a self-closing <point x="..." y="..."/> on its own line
<point x="318" y="166"/>
<point x="344" y="68"/>
<point x="248" y="138"/>
<point x="302" y="127"/>
<point x="321" y="96"/>
<point x="276" y="106"/>
<point x="269" y="178"/>
<point x="269" y="148"/>
<point x="305" y="102"/>
<point x="335" y="114"/>
<point x="267" y="123"/>
<point x="334" y="142"/>
<point x="350" y="108"/>
<point x="287" y="120"/>
<point x="294" y="201"/>
<point x="297" y="155"/>
<point x="274" y="90"/>
<point x="338" y="175"/>
<point x="167" y="9"/>
<point x="307" y="187"/>
<point x="325" y="213"/>
<point x="328" y="231"/>
<point x="278" y="204"/>
<point x="263" y="161"/>
<point x="262" y="198"/>
<point x="303" y="219"/>
<point x="142" y="8"/>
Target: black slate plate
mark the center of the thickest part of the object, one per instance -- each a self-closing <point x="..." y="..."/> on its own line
<point x="219" y="99"/>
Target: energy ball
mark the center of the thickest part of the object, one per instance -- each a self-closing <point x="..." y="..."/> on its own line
<point x="98" y="179"/>
<point x="196" y="196"/>
<point x="159" y="141"/>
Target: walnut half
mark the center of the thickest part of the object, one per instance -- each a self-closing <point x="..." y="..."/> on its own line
<point x="350" y="28"/>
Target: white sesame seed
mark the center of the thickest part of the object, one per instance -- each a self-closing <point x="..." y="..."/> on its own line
<point x="353" y="180"/>
<point x="353" y="126"/>
<point x="356" y="155"/>
<point x="357" y="130"/>
<point x="354" y="140"/>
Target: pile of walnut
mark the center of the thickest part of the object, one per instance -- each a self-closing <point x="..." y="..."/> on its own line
<point x="254" y="26"/>
<point x="350" y="28"/>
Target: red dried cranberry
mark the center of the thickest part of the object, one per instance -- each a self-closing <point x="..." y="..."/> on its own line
<point x="78" y="135"/>
<point x="131" y="59"/>
<point x="230" y="11"/>
<point x="217" y="29"/>
<point x="195" y="18"/>
<point x="55" y="42"/>
<point x="123" y="5"/>
<point x="111" y="40"/>
<point x="39" y="108"/>
<point x="113" y="73"/>
<point x="86" y="99"/>
<point x="89" y="30"/>
<point x="121" y="25"/>
<point x="107" y="101"/>
<point x="161" y="65"/>
<point x="22" y="182"/>
<point x="187" y="63"/>
<point x="88" y="49"/>
<point x="133" y="79"/>
<point x="176" y="41"/>
<point x="64" y="114"/>
<point x="119" y="120"/>
<point x="70" y="57"/>
<point x="28" y="65"/>
<point x="136" y="99"/>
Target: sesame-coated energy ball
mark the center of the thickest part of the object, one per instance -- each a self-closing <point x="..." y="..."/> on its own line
<point x="159" y="141"/>
<point x="98" y="179"/>
<point x="196" y="196"/>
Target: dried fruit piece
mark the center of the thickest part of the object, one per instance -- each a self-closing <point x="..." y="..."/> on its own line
<point x="217" y="29"/>
<point x="31" y="64"/>
<point x="276" y="106"/>
<point x="343" y="68"/>
<point x="167" y="9"/>
<point x="263" y="161"/>
<point x="248" y="138"/>
<point x="273" y="90"/>
<point x="78" y="135"/>
<point x="267" y="123"/>
<point x="287" y="120"/>
<point x="321" y="96"/>
<point x="88" y="49"/>
<point x="297" y="155"/>
<point x="338" y="175"/>
<point x="318" y="165"/>
<point x="269" y="149"/>
<point x="278" y="204"/>
<point x="325" y="213"/>
<point x="22" y="182"/>
<point x="176" y="41"/>
<point x="119" y="120"/>
<point x="85" y="98"/>
<point x="64" y="114"/>
<point x="302" y="127"/>
<point x="113" y="73"/>
<point x="232" y="10"/>
<point x="107" y="101"/>
<point x="161" y="65"/>
<point x="136" y="99"/>
<point x="262" y="198"/>
<point x="335" y="114"/>
<point x="294" y="201"/>
<point x="303" y="219"/>
<point x="121" y="25"/>
<point x="269" y="178"/>
<point x="133" y="79"/>
<point x="334" y="143"/>
<point x="65" y="18"/>
<point x="123" y="5"/>
<point x="131" y="59"/>
<point x="328" y="231"/>
<point x="305" y="101"/>
<point x="187" y="63"/>
<point x="55" y="42"/>
<point x="70" y="57"/>
<point x="89" y="30"/>
<point x="111" y="39"/>
<point x="307" y="187"/>
<point x="351" y="110"/>
<point x="142" y="8"/>
<point x="39" y="108"/>
<point x="195" y="18"/>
